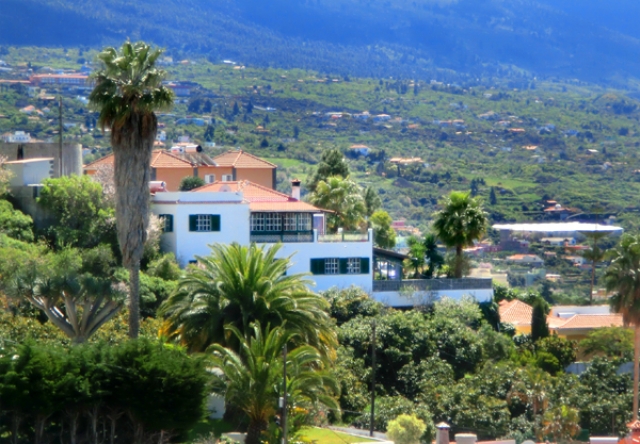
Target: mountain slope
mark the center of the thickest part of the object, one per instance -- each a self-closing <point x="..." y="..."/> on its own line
<point x="379" y="38"/>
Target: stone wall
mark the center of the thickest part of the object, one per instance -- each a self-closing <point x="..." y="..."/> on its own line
<point x="71" y="155"/>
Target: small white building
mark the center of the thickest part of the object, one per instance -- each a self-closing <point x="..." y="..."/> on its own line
<point x="244" y="212"/>
<point x="17" y="137"/>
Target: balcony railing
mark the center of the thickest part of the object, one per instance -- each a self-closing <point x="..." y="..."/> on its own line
<point x="434" y="284"/>
<point x="342" y="236"/>
<point x="267" y="237"/>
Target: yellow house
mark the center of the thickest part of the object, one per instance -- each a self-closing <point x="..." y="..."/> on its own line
<point x="518" y="314"/>
<point x="578" y="326"/>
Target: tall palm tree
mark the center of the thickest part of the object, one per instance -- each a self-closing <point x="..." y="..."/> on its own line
<point x="344" y="198"/>
<point x="594" y="255"/>
<point x="237" y="286"/>
<point x="623" y="277"/>
<point x="128" y="90"/>
<point x="432" y="255"/>
<point x="460" y="222"/>
<point x="251" y="378"/>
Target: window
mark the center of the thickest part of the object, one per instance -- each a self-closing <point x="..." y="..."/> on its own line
<point x="227" y="177"/>
<point x="209" y="178"/>
<point x="352" y="265"/>
<point x="204" y="222"/>
<point x="266" y="222"/>
<point x="167" y="223"/>
<point x="297" y="222"/>
<point x="331" y="266"/>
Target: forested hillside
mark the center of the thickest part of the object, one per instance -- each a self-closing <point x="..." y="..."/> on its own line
<point x="447" y="40"/>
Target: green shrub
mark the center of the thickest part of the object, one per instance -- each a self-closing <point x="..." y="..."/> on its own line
<point x="406" y="429"/>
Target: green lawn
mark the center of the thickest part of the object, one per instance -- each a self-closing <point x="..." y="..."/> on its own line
<point x="206" y="427"/>
<point x="326" y="436"/>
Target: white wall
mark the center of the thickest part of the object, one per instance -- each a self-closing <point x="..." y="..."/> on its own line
<point x="305" y="251"/>
<point x="395" y="299"/>
<point x="29" y="172"/>
<point x="234" y="222"/>
<point x="235" y="227"/>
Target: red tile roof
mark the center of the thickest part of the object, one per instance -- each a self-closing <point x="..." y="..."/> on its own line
<point x="241" y="159"/>
<point x="260" y="198"/>
<point x="515" y="312"/>
<point x="586" y="321"/>
<point x="159" y="159"/>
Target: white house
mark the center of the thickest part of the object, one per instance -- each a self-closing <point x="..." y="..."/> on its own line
<point x="244" y="212"/>
<point x="17" y="137"/>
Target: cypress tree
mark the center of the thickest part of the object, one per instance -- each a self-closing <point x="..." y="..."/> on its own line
<point x="539" y="327"/>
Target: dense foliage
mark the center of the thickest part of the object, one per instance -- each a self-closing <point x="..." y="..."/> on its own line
<point x="133" y="392"/>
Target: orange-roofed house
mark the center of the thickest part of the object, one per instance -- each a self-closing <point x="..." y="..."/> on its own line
<point x="578" y="326"/>
<point x="516" y="313"/>
<point x="165" y="166"/>
<point x="239" y="165"/>
<point x="173" y="166"/>
<point x="245" y="212"/>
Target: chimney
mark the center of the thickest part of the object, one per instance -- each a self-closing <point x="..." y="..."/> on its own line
<point x="295" y="189"/>
<point x="466" y="438"/>
<point x="442" y="433"/>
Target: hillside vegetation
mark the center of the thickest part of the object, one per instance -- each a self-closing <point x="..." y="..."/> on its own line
<point x="543" y="141"/>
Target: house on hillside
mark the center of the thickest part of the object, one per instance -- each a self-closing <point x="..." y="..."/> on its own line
<point x="516" y="313"/>
<point x="526" y="259"/>
<point x="186" y="161"/>
<point x="360" y="150"/>
<point x="578" y="326"/>
<point x="245" y="212"/>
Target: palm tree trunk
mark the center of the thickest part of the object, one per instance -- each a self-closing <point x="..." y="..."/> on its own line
<point x="458" y="268"/>
<point x="636" y="371"/>
<point x="254" y="431"/>
<point x="593" y="281"/>
<point x="134" y="301"/>
<point x="132" y="146"/>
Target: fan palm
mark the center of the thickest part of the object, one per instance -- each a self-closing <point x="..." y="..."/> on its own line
<point x="459" y="224"/>
<point x="128" y="90"/>
<point x="623" y="278"/>
<point x="251" y="378"/>
<point x="237" y="286"/>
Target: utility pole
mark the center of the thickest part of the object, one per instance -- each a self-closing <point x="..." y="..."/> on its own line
<point x="60" y="138"/>
<point x="373" y="377"/>
<point x="284" y="396"/>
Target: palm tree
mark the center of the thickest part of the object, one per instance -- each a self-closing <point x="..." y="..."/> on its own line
<point x="561" y="422"/>
<point x="433" y="257"/>
<point x="344" y="199"/>
<point x="594" y="255"/>
<point x="237" y="286"/>
<point x="532" y="388"/>
<point x="623" y="277"/>
<point x="459" y="224"/>
<point x="252" y="377"/>
<point x="128" y="90"/>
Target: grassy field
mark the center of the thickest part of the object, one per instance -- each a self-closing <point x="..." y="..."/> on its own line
<point x="327" y="436"/>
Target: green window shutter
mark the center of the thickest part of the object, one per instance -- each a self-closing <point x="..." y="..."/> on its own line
<point x="343" y="265"/>
<point x="215" y="222"/>
<point x="317" y="266"/>
<point x="364" y="265"/>
<point x="193" y="222"/>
